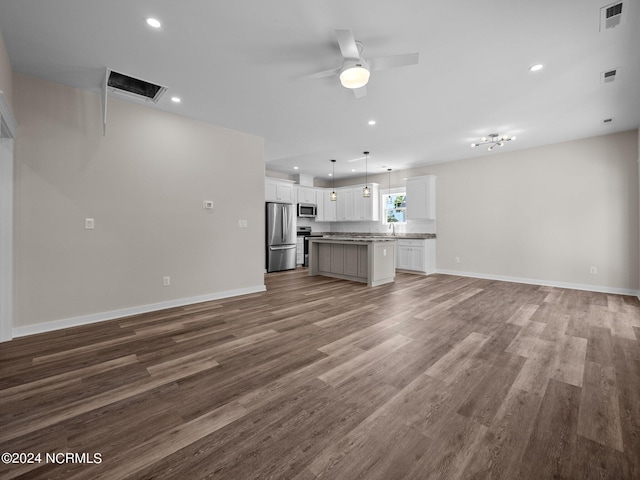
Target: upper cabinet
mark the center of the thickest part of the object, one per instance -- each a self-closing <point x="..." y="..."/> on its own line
<point x="306" y="195"/>
<point x="350" y="206"/>
<point x="353" y="207"/>
<point x="345" y="204"/>
<point x="421" y="198"/>
<point x="278" y="190"/>
<point x="327" y="211"/>
<point x="366" y="208"/>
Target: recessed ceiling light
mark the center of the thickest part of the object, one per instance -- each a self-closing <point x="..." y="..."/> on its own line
<point x="371" y="122"/>
<point x="295" y="168"/>
<point x="175" y="99"/>
<point x="331" y="174"/>
<point x="536" y="67"/>
<point x="153" y="22"/>
<point x="353" y="169"/>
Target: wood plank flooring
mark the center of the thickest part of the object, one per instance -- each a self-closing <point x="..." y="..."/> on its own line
<point x="437" y="377"/>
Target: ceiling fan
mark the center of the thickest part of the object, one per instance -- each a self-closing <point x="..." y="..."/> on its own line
<point x="356" y="69"/>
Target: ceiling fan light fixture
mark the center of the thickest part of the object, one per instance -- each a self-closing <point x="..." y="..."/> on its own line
<point x="354" y="74"/>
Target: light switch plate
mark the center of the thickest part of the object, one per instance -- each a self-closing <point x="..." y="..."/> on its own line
<point x="89" y="223"/>
<point x="208" y="204"/>
<point x="242" y="224"/>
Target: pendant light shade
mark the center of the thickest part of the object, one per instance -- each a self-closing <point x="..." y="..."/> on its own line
<point x="366" y="192"/>
<point x="334" y="196"/>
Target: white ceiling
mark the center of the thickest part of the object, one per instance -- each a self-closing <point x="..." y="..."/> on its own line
<point x="243" y="65"/>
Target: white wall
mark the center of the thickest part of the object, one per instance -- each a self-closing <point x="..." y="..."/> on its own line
<point x="144" y="184"/>
<point x="547" y="213"/>
<point x="6" y="74"/>
<point x="6" y="202"/>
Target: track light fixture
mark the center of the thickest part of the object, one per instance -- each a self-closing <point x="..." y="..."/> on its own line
<point x="493" y="140"/>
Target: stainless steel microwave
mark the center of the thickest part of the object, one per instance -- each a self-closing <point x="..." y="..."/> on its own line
<point x="307" y="210"/>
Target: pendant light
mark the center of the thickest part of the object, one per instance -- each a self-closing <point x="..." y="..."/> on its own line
<point x="391" y="225"/>
<point x="334" y="195"/>
<point x="366" y="193"/>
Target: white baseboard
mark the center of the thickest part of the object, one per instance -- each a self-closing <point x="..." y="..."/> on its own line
<point x="126" y="312"/>
<point x="548" y="283"/>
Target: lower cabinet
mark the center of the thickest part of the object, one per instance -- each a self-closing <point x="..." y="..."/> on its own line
<point x="350" y="260"/>
<point x="417" y="255"/>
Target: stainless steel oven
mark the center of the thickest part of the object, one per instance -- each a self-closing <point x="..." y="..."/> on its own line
<point x="304" y="231"/>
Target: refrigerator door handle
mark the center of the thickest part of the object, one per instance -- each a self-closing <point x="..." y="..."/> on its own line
<point x="283" y="247"/>
<point x="284" y="224"/>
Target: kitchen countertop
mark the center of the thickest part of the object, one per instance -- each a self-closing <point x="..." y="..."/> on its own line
<point x="381" y="236"/>
<point x="354" y="238"/>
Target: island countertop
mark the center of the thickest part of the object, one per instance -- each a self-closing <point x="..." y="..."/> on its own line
<point x="354" y="238"/>
<point x="397" y="236"/>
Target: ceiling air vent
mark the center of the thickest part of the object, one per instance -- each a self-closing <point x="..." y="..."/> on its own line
<point x="610" y="76"/>
<point x="121" y="83"/>
<point x="612" y="15"/>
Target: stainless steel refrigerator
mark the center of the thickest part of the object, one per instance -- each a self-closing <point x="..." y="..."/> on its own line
<point x="281" y="237"/>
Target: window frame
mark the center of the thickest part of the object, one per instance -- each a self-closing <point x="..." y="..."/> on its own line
<point x="383" y="201"/>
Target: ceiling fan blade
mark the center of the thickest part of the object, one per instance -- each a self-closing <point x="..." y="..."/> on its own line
<point x="393" y="61"/>
<point x="347" y="43"/>
<point x="326" y="73"/>
<point x="360" y="92"/>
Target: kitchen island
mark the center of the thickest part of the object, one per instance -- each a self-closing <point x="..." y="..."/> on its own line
<point x="366" y="259"/>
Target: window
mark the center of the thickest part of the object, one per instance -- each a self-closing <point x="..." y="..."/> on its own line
<point x="395" y="208"/>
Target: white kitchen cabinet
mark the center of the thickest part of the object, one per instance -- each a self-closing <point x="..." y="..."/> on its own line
<point x="306" y="195"/>
<point x="366" y="209"/>
<point x="352" y="206"/>
<point x="421" y="198"/>
<point x="345" y="204"/>
<point x="319" y="205"/>
<point x="417" y="255"/>
<point x="278" y="190"/>
<point x="329" y="211"/>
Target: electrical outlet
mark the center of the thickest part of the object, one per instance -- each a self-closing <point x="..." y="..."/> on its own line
<point x="593" y="271"/>
<point x="457" y="259"/>
<point x="208" y="204"/>
<point x="89" y="223"/>
<point x="166" y="281"/>
<point x="242" y="224"/>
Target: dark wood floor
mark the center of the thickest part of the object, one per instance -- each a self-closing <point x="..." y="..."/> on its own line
<point x="431" y="377"/>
